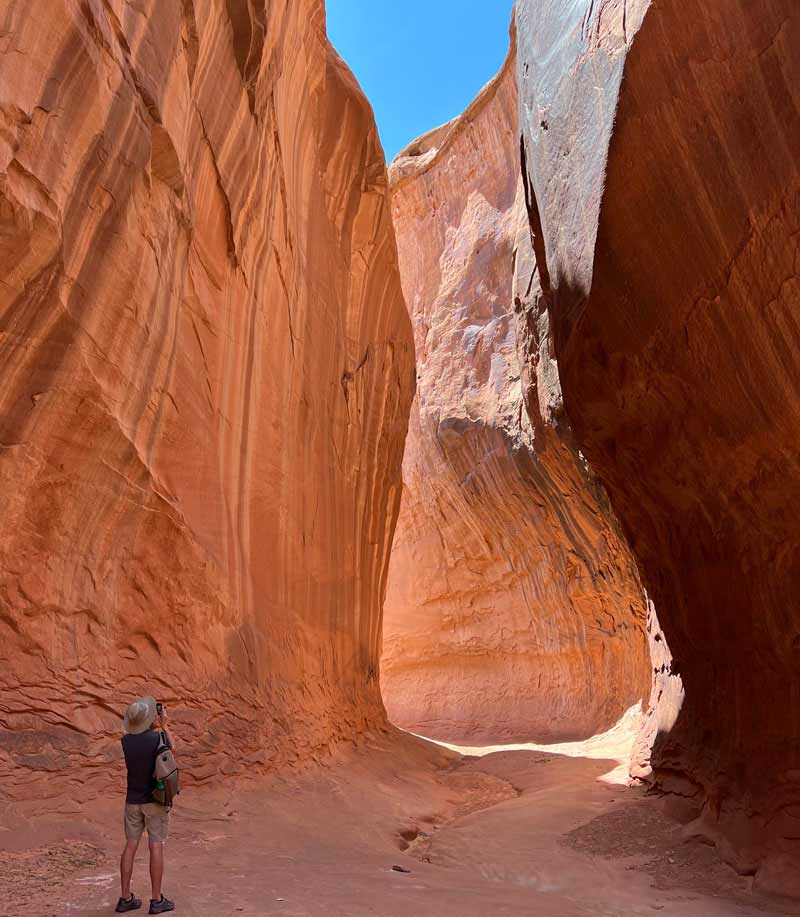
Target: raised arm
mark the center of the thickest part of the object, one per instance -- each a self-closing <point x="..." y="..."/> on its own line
<point x="162" y="725"/>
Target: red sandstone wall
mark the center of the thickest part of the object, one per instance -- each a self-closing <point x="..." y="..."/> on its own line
<point x="206" y="370"/>
<point x="514" y="610"/>
<point x="668" y="216"/>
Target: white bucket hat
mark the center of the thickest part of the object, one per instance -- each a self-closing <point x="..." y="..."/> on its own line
<point x="140" y="715"/>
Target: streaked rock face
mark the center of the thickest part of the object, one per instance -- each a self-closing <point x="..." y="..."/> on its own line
<point x="514" y="610"/>
<point x="661" y="149"/>
<point x="206" y="370"/>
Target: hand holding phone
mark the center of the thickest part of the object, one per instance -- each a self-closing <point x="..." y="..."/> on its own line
<point x="159" y="709"/>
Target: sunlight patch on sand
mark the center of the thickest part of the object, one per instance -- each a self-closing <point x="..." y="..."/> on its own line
<point x="615" y="744"/>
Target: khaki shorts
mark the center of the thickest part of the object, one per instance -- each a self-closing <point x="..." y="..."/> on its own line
<point x="151" y="815"/>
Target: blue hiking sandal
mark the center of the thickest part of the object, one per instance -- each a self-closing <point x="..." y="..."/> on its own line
<point x="161" y="906"/>
<point x="131" y="903"/>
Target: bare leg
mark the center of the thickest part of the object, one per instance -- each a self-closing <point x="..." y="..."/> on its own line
<point x="156" y="868"/>
<point x="126" y="866"/>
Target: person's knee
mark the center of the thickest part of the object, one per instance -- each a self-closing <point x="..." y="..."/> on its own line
<point x="129" y="850"/>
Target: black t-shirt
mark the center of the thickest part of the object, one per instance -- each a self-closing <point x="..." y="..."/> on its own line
<point x="140" y="759"/>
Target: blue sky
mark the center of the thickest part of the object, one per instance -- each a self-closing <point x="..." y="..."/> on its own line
<point x="420" y="62"/>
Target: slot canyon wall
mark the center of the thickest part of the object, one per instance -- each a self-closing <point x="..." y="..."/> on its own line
<point x="514" y="610"/>
<point x="207" y="367"/>
<point x="661" y="153"/>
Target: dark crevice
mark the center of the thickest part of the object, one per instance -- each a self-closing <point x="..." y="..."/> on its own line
<point x="248" y="21"/>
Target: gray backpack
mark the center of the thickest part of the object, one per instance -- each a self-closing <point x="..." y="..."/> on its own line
<point x="165" y="774"/>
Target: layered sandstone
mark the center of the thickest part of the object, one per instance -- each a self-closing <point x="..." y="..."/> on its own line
<point x="206" y="370"/>
<point x="661" y="152"/>
<point x="514" y="610"/>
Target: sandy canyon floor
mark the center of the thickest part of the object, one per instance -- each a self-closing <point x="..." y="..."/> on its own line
<point x="512" y="831"/>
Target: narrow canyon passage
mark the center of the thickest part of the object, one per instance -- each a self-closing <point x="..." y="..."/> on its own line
<point x="514" y="611"/>
<point x="629" y="344"/>
<point x="494" y="445"/>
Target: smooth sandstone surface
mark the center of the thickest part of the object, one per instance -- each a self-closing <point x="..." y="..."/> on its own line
<point x="514" y="611"/>
<point x="206" y="369"/>
<point x="661" y="153"/>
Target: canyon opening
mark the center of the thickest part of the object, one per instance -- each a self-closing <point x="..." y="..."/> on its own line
<point x="446" y="504"/>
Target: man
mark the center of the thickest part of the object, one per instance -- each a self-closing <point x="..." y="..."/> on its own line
<point x="140" y="744"/>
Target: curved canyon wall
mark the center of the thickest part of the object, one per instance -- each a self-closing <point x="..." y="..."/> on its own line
<point x="661" y="147"/>
<point x="514" y="610"/>
<point x="206" y="369"/>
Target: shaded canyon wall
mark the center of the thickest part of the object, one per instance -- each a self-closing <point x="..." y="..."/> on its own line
<point x="206" y="370"/>
<point x="661" y="150"/>
<point x="514" y="610"/>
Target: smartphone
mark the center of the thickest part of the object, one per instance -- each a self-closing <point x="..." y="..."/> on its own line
<point x="159" y="708"/>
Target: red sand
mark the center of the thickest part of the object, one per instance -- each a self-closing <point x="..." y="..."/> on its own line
<point x="509" y="833"/>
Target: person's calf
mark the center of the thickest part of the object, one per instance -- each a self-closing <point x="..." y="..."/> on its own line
<point x="158" y="903"/>
<point x="156" y="868"/>
<point x="126" y="867"/>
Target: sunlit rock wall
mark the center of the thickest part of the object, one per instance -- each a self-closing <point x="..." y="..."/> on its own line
<point x="514" y="610"/>
<point x="206" y="370"/>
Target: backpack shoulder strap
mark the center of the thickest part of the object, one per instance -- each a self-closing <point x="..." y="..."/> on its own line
<point x="164" y="743"/>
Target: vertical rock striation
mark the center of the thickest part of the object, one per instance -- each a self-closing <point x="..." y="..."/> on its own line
<point x="661" y="149"/>
<point x="206" y="371"/>
<point x="514" y="610"/>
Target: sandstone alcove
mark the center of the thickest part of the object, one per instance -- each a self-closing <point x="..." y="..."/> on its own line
<point x="514" y="610"/>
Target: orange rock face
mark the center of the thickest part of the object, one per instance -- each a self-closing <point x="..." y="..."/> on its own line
<point x="668" y="215"/>
<point x="206" y="370"/>
<point x="514" y="610"/>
